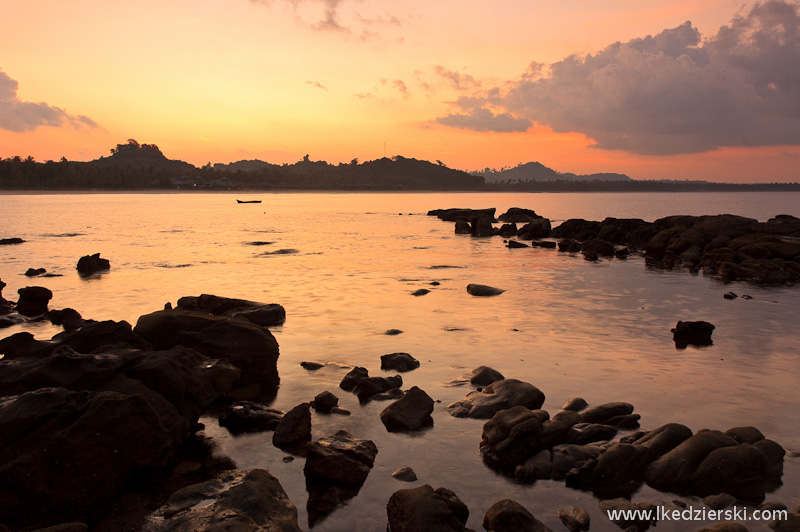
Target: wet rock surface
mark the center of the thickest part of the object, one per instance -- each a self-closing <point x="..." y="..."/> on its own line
<point x="399" y="362"/>
<point x="89" y="264"/>
<point x="410" y="412"/>
<point x="498" y="396"/>
<point x="423" y="508"/>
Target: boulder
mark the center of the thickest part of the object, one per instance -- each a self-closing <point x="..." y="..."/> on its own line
<point x="405" y="474"/>
<point x="294" y="429"/>
<point x="420" y="292"/>
<point x="9" y="241"/>
<point x="399" y="362"/>
<point x="511" y="516"/>
<point x="325" y="402"/>
<point x="352" y="378"/>
<point x="575" y="520"/>
<point x="369" y="387"/>
<point x="33" y="300"/>
<point x="35" y="272"/>
<point x="68" y="318"/>
<point x="482" y="290"/>
<point x="89" y="264"/>
<point x="662" y="440"/>
<point x="409" y="413"/>
<point x="340" y="458"/>
<point x="424" y="509"/>
<point x="94" y="335"/>
<point x="236" y="500"/>
<point x="246" y="416"/>
<point x="513" y="244"/>
<point x="604" y="412"/>
<point x="266" y="315"/>
<point x="535" y="229"/>
<point x="482" y="226"/>
<point x="484" y="376"/>
<point x="498" y="396"/>
<point x="248" y="346"/>
<point x="519" y="215"/>
<point x="692" y="333"/>
<point x="24" y="345"/>
<point x="575" y="404"/>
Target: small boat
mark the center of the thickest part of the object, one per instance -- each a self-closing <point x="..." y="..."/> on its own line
<point x="248" y="201"/>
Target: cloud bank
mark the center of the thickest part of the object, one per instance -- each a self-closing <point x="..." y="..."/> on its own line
<point x="19" y="116"/>
<point x="670" y="93"/>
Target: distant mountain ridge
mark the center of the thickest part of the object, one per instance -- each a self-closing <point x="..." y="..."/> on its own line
<point x="535" y="171"/>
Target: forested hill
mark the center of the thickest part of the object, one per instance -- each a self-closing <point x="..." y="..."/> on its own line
<point x="535" y="171"/>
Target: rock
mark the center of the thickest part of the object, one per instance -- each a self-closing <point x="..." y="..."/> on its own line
<point x="692" y="333"/>
<point x="411" y="412"/>
<point x="452" y="215"/>
<point x="388" y="395"/>
<point x="294" y="429"/>
<point x="246" y="416"/>
<point x="463" y="227"/>
<point x="405" y="474"/>
<point x="33" y="300"/>
<point x="68" y="318"/>
<point x="518" y="215"/>
<point x="660" y="441"/>
<point x="597" y="247"/>
<point x="547" y="244"/>
<point x="89" y="264"/>
<point x="790" y="524"/>
<point x="340" y="458"/>
<point x="237" y="500"/>
<point x="311" y="366"/>
<point x="325" y="402"/>
<point x="511" y="516"/>
<point x="422" y="509"/>
<point x="482" y="226"/>
<point x="627" y="422"/>
<point x="499" y="395"/>
<point x="508" y="230"/>
<point x="368" y="387"/>
<point x="70" y="451"/>
<point x="535" y="229"/>
<point x="94" y="335"/>
<point x="64" y="527"/>
<point x="630" y="514"/>
<point x="420" y="292"/>
<point x="569" y="245"/>
<point x="615" y="472"/>
<point x="512" y="244"/>
<point x="484" y="376"/>
<point x="745" y="434"/>
<point x="23" y="345"/>
<point x="399" y="362"/>
<point x="266" y="315"/>
<point x="729" y="295"/>
<point x="9" y="241"/>
<point x="481" y="290"/>
<point x="249" y="347"/>
<point x="585" y="433"/>
<point x="352" y="378"/>
<point x="604" y="412"/>
<point x="720" y="501"/>
<point x="33" y="272"/>
<point x="570" y="521"/>
<point x="575" y="404"/>
<point x="394" y="332"/>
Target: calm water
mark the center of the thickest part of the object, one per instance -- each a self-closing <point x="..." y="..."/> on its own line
<point x="344" y="267"/>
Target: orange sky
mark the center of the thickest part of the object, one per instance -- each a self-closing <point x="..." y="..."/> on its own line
<point x="225" y="80"/>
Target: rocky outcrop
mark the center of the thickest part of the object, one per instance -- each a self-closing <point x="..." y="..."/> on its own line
<point x="248" y="346"/>
<point x="425" y="509"/>
<point x="246" y="416"/>
<point x="89" y="264"/>
<point x="455" y="214"/>
<point x="239" y="499"/>
<point x="692" y="333"/>
<point x="499" y="395"/>
<point x="399" y="362"/>
<point x="33" y="300"/>
<point x="411" y="412"/>
<point x="294" y="429"/>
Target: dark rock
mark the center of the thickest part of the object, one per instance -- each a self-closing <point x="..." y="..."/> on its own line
<point x="33" y="300"/>
<point x="325" y="402"/>
<point x="484" y="376"/>
<point x="294" y="429"/>
<point x="630" y="514"/>
<point x="598" y="247"/>
<point x="590" y="256"/>
<point x="452" y="215"/>
<point x="662" y="440"/>
<point x="71" y="451"/>
<point x="371" y="386"/>
<point x="236" y="500"/>
<point x="405" y="474"/>
<point x="411" y="412"/>
<point x="692" y="333"/>
<point x="511" y="516"/>
<point x="96" y="334"/>
<point x="725" y="527"/>
<point x="604" y="412"/>
<point x="352" y="378"/>
<point x="499" y="395"/>
<point x="422" y="509"/>
<point x="572" y="520"/>
<point x="266" y="315"/>
<point x="9" y="241"/>
<point x="89" y="264"/>
<point x="615" y="472"/>
<point x="584" y="433"/>
<point x="729" y="295"/>
<point x="566" y="457"/>
<point x="622" y="253"/>
<point x="575" y="404"/>
<point x="720" y="501"/>
<point x="24" y="345"/>
<point x="463" y="227"/>
<point x="547" y="244"/>
<point x="68" y="318"/>
<point x="388" y="395"/>
<point x="628" y="421"/>
<point x="738" y="469"/>
<point x="535" y="229"/>
<point x="569" y="245"/>
<point x="394" y="332"/>
<point x="399" y="362"/>
<point x="507" y="230"/>
<point x="247" y="346"/>
<point x="420" y="292"/>
<point x="311" y="366"/>
<point x="340" y="458"/>
<point x="33" y="272"/>
<point x="576" y="229"/>
<point x="482" y="226"/>
<point x="514" y="244"/>
<point x="483" y="290"/>
<point x="745" y="434"/>
<point x="518" y="215"/>
<point x="246" y="416"/>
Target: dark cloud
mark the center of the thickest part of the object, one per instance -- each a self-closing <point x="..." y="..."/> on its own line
<point x="19" y="116"/>
<point x="482" y="119"/>
<point x="675" y="93"/>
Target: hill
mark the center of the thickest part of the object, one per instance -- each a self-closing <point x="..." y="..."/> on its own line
<point x="135" y="155"/>
<point x="534" y="171"/>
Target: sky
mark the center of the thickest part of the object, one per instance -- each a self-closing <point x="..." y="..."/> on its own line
<point x="678" y="89"/>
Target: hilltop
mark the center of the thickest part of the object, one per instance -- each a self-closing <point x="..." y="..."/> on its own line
<point x="535" y="171"/>
<point x="135" y="155"/>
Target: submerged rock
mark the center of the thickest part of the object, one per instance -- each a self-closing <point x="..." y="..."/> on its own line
<point x="482" y="290"/>
<point x="89" y="264"/>
<point x="405" y="474"/>
<point x="246" y="416"/>
<point x="692" y="333"/>
<point x="399" y="362"/>
<point x="325" y="402"/>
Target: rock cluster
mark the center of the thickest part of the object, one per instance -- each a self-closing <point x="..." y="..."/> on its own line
<point x="365" y="387"/>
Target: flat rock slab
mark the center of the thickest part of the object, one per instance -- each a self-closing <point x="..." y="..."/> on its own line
<point x="482" y="290"/>
<point x="499" y="395"/>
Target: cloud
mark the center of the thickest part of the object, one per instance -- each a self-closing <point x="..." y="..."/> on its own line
<point x="317" y="84"/>
<point x="19" y="116"/>
<point x="400" y="85"/>
<point x="673" y="92"/>
<point x="457" y="80"/>
<point x="482" y="119"/>
<point x="330" y="20"/>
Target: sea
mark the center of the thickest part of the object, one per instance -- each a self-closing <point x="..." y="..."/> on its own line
<point x="345" y="266"/>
